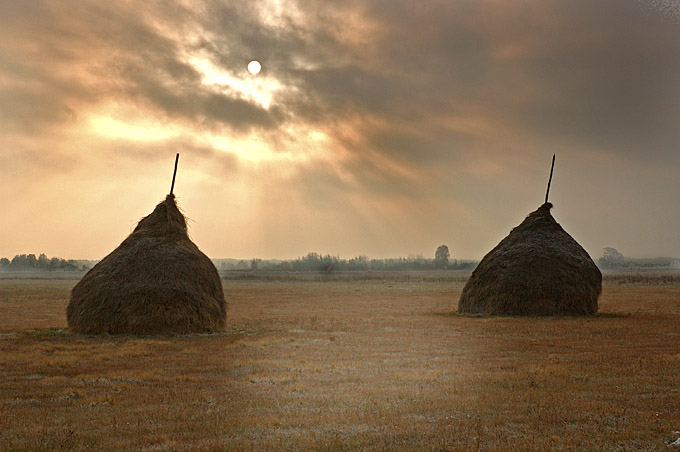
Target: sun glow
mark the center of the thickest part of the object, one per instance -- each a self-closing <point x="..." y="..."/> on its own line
<point x="305" y="146"/>
<point x="289" y="145"/>
<point x="254" y="67"/>
<point x="108" y="126"/>
<point x="257" y="89"/>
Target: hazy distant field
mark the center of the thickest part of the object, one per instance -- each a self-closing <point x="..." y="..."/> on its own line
<point x="364" y="361"/>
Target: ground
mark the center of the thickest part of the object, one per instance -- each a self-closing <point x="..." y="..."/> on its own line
<point x="362" y="361"/>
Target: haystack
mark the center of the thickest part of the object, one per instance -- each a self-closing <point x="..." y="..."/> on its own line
<point x="156" y="282"/>
<point x="538" y="269"/>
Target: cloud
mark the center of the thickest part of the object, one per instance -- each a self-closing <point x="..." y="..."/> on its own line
<point x="58" y="62"/>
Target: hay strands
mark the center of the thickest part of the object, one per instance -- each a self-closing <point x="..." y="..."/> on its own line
<point x="174" y="173"/>
<point x="549" y="180"/>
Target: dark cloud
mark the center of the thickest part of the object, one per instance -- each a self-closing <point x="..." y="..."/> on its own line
<point x="606" y="82"/>
<point x="597" y="75"/>
<point x="600" y="71"/>
<point x="61" y="61"/>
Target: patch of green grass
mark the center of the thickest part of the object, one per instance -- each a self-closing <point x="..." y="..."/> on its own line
<point x="48" y="332"/>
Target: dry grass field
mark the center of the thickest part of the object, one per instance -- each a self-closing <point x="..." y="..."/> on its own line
<point x="364" y="362"/>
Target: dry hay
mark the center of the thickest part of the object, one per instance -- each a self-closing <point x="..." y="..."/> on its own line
<point x="156" y="282"/>
<point x="538" y="269"/>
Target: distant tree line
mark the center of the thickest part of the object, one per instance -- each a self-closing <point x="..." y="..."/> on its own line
<point x="612" y="259"/>
<point x="329" y="263"/>
<point x="28" y="262"/>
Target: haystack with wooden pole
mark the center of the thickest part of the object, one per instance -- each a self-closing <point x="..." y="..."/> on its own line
<point x="538" y="269"/>
<point x="156" y="282"/>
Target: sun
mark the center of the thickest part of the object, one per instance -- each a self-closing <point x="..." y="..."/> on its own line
<point x="254" y="67"/>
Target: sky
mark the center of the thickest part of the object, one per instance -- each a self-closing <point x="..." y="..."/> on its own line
<point x="382" y="128"/>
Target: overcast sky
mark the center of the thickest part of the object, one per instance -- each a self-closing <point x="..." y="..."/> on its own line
<point x="383" y="128"/>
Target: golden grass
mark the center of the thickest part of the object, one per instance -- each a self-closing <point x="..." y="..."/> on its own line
<point x="346" y="364"/>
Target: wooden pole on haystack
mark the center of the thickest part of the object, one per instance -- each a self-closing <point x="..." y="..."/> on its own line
<point x="549" y="180"/>
<point x="174" y="173"/>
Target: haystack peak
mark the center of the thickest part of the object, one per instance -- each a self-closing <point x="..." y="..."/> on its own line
<point x="165" y="218"/>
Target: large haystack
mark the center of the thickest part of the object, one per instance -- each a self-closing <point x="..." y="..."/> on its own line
<point x="156" y="282"/>
<point x="538" y="269"/>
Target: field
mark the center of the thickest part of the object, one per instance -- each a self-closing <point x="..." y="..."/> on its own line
<point x="367" y="361"/>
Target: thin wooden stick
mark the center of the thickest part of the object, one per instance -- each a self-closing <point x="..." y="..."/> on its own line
<point x="549" y="180"/>
<point x="174" y="173"/>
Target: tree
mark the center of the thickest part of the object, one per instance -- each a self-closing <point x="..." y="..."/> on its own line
<point x="441" y="256"/>
<point x="611" y="258"/>
<point x="43" y="262"/>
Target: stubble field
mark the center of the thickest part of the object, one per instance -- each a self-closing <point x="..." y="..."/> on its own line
<point x="347" y="362"/>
